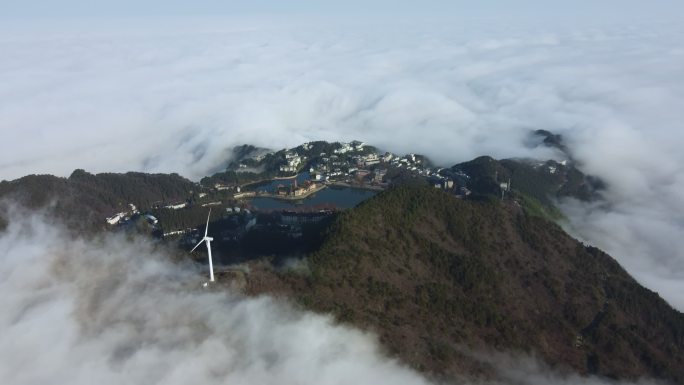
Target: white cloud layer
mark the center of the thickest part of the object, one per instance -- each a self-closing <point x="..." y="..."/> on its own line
<point x="116" y="310"/>
<point x="173" y="96"/>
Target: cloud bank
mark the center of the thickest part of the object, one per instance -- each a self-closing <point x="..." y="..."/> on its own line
<point x="173" y="96"/>
<point x="117" y="310"/>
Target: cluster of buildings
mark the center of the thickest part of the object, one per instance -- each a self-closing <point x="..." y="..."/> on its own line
<point x="450" y="181"/>
<point x="177" y="206"/>
<point x="292" y="162"/>
<point x="123" y="216"/>
<point x="354" y="146"/>
<point x="354" y="163"/>
<point x="295" y="190"/>
<point x="349" y="164"/>
<point x="130" y="216"/>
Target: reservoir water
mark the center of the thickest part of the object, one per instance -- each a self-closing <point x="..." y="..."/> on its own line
<point x="339" y="197"/>
<point x="272" y="185"/>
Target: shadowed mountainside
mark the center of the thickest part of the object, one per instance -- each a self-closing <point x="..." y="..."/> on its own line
<point x="83" y="200"/>
<point x="437" y="277"/>
<point x="433" y="275"/>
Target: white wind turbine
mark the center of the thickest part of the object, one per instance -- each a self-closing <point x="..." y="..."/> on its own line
<point x="208" y="241"/>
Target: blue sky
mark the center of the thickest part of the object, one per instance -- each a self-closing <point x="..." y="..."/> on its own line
<point x="131" y="8"/>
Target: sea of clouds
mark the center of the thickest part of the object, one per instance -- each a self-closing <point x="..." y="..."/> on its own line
<point x="176" y="95"/>
<point x="117" y="310"/>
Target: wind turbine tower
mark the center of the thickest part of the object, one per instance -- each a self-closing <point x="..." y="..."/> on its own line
<point x="208" y="240"/>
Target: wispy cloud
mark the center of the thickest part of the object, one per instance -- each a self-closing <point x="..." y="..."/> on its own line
<point x="118" y="311"/>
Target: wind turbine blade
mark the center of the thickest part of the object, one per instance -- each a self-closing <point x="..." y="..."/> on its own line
<point x="206" y="229"/>
<point x="200" y="242"/>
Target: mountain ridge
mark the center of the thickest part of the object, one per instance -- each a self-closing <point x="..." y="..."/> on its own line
<point x="97" y="196"/>
<point x="443" y="273"/>
<point x="435" y="272"/>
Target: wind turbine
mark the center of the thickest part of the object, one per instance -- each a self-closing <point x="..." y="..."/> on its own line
<point x="208" y="241"/>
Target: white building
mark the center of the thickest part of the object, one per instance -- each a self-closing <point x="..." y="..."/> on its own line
<point x="177" y="232"/>
<point x="116" y="218"/>
<point x="371" y="159"/>
<point x="152" y="219"/>
<point x="344" y="148"/>
<point x="212" y="204"/>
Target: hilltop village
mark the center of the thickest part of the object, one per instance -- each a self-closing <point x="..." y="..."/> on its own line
<point x="353" y="164"/>
<point x="286" y="197"/>
<point x="298" y="176"/>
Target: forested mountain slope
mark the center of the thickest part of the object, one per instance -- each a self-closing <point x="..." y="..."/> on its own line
<point x="433" y="275"/>
<point x="89" y="198"/>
